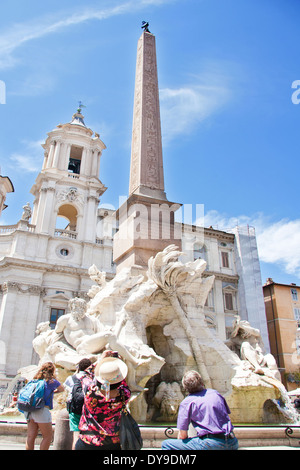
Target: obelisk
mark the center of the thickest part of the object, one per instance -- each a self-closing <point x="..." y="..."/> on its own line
<point x="146" y="219"/>
<point x="146" y="171"/>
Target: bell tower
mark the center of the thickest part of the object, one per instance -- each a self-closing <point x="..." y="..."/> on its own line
<point x="48" y="259"/>
<point x="67" y="190"/>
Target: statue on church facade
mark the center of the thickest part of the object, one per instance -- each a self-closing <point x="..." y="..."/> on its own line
<point x="26" y="212"/>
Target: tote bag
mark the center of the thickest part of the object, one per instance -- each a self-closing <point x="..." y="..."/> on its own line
<point x="130" y="434"/>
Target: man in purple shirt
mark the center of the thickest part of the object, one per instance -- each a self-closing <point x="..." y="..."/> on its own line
<point x="208" y="412"/>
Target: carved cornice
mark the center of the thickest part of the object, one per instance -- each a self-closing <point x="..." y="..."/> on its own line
<point x="81" y="295"/>
<point x="47" y="189"/>
<point x="93" y="197"/>
<point x="208" y="232"/>
<point x="44" y="267"/>
<point x="233" y="278"/>
<point x="22" y="288"/>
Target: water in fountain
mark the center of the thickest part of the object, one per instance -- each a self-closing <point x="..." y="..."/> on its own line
<point x="285" y="405"/>
<point x="12" y="385"/>
<point x="289" y="409"/>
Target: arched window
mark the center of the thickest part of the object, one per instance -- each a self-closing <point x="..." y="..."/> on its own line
<point x="66" y="219"/>
<point x="75" y="159"/>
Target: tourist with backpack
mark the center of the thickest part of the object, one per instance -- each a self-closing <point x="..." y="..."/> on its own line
<point x="39" y="417"/>
<point x="75" y="398"/>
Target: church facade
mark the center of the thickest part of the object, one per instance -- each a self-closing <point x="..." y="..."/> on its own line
<point x="45" y="256"/>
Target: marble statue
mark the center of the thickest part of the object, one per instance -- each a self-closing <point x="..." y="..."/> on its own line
<point x="169" y="274"/>
<point x="248" y="344"/>
<point x="78" y="335"/>
<point x="166" y="402"/>
<point x="43" y="338"/>
<point x="156" y="321"/>
<point x="26" y="212"/>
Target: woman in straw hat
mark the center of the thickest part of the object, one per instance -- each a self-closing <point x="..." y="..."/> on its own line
<point x="105" y="390"/>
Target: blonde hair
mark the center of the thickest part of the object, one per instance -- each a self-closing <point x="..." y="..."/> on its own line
<point x="46" y="372"/>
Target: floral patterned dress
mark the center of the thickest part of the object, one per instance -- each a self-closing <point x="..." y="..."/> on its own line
<point x="100" y="420"/>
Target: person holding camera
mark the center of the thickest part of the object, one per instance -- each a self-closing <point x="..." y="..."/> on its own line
<point x="105" y="391"/>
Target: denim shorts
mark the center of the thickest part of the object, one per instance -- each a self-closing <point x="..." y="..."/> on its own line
<point x="40" y="416"/>
<point x="201" y="443"/>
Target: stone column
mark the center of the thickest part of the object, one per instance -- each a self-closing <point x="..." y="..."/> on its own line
<point x="56" y="155"/>
<point x="66" y="157"/>
<point x="80" y="227"/>
<point x="39" y="209"/>
<point x="90" y="219"/>
<point x="7" y="325"/>
<point x="46" y="156"/>
<point x="95" y="156"/>
<point x="48" y="208"/>
<point x="219" y="308"/>
<point x="51" y="153"/>
<point x="88" y="164"/>
<point x="83" y="162"/>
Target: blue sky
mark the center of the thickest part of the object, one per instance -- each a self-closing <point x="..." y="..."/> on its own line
<point x="230" y="126"/>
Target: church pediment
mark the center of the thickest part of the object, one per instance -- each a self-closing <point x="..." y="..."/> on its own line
<point x="58" y="296"/>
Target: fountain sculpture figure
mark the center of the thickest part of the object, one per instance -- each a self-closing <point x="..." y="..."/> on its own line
<point x="156" y="321"/>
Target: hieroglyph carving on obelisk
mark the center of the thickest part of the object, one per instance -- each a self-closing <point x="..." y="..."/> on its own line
<point x="146" y="151"/>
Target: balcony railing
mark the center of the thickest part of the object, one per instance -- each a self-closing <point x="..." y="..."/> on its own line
<point x="65" y="233"/>
<point x="6" y="229"/>
<point x="59" y="233"/>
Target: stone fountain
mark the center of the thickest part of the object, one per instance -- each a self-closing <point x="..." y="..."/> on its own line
<point x="156" y="322"/>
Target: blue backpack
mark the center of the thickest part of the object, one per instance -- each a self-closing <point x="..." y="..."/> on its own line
<point x="31" y="397"/>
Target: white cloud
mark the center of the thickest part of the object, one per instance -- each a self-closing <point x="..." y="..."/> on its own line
<point x="30" y="160"/>
<point x="278" y="242"/>
<point x="225" y="222"/>
<point x="21" y="33"/>
<point x="182" y="109"/>
<point x="34" y="85"/>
